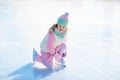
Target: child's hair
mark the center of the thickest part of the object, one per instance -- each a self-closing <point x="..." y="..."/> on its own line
<point x="52" y="28"/>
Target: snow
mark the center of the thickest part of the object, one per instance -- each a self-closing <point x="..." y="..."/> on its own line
<point x="93" y="38"/>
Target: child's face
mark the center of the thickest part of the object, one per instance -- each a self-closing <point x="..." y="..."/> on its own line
<point x="61" y="28"/>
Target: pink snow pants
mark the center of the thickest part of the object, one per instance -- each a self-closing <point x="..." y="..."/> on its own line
<point x="47" y="58"/>
<point x="60" y="52"/>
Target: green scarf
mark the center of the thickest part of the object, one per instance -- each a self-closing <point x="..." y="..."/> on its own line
<point x="60" y="35"/>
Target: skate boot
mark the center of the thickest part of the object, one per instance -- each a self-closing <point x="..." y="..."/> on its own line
<point x="62" y="63"/>
<point x="36" y="56"/>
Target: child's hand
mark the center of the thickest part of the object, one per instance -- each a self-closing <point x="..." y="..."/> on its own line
<point x="64" y="54"/>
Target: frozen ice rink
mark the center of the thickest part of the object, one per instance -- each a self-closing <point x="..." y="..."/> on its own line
<point x="93" y="38"/>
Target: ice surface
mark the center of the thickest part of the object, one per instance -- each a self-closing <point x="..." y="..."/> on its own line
<point x="93" y="38"/>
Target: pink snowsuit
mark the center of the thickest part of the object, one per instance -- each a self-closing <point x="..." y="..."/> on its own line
<point x="52" y="46"/>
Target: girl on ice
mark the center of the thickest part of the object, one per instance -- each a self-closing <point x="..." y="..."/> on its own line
<point x="54" y="44"/>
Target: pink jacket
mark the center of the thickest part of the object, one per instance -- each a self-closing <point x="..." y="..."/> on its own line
<point x="50" y="42"/>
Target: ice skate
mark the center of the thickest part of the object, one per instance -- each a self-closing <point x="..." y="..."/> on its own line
<point x="62" y="63"/>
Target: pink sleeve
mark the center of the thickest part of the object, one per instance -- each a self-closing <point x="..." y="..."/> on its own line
<point x="51" y="42"/>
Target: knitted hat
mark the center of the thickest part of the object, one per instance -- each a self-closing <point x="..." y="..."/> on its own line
<point x="63" y="20"/>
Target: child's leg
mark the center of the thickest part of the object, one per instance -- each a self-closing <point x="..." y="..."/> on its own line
<point x="45" y="56"/>
<point x="61" y="54"/>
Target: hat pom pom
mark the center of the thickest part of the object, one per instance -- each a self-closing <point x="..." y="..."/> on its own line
<point x="67" y="14"/>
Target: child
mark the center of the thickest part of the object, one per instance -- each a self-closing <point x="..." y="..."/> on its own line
<point x="53" y="45"/>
